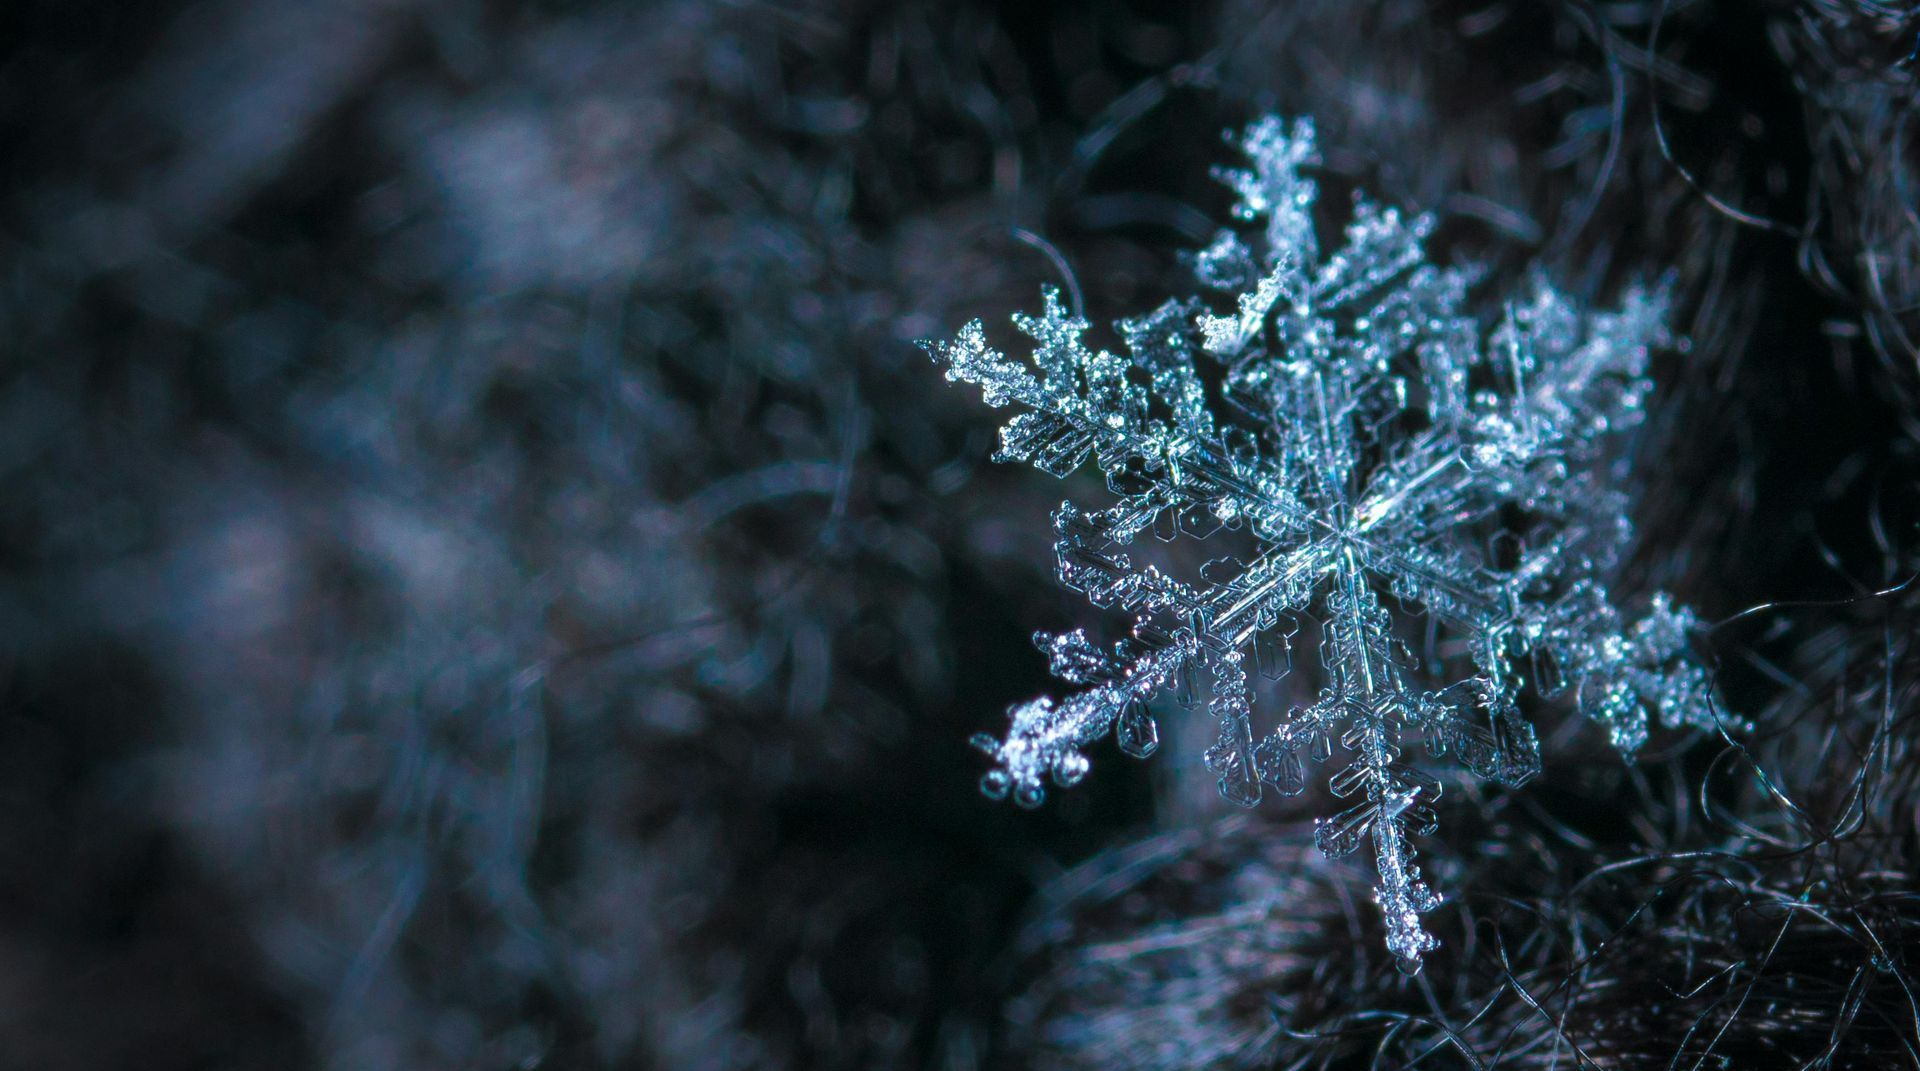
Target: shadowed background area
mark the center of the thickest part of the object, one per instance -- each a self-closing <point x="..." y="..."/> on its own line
<point x="487" y="581"/>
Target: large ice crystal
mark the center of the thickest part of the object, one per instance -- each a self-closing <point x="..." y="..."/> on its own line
<point x="1382" y="461"/>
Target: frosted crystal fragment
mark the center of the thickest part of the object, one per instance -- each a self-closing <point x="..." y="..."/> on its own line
<point x="1137" y="734"/>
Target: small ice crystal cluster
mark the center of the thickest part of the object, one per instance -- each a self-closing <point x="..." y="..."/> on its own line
<point x="1347" y="416"/>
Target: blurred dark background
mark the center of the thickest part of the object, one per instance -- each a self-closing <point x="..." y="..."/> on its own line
<point x="487" y="581"/>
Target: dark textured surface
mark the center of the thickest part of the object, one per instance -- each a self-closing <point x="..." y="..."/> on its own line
<point x="487" y="581"/>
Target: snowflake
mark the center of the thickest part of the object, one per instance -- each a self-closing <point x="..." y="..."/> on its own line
<point x="1349" y="420"/>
